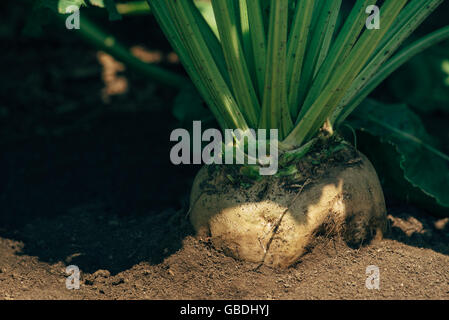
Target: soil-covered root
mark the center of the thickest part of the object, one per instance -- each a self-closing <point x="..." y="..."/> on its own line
<point x="274" y="220"/>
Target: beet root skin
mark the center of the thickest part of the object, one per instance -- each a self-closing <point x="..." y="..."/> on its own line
<point x="270" y="224"/>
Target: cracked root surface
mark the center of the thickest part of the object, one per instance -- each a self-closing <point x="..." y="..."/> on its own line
<point x="273" y="223"/>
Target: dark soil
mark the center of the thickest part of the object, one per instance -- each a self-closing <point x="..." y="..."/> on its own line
<point x="86" y="180"/>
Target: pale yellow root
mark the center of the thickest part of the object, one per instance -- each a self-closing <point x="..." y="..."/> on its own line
<point x="270" y="225"/>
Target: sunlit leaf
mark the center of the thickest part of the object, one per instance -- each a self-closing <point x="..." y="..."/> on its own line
<point x="189" y="106"/>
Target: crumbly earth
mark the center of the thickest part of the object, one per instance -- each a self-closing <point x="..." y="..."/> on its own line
<point x="156" y="257"/>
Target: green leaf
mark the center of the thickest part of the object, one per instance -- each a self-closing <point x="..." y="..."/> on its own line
<point x="275" y="112"/>
<point x="112" y="10"/>
<point x="423" y="83"/>
<point x="110" y="6"/>
<point x="309" y="124"/>
<point x="64" y="6"/>
<point x="318" y="47"/>
<point x="423" y="165"/>
<point x="60" y="6"/>
<point x="180" y="25"/>
<point x="344" y="110"/>
<point x="97" y="3"/>
<point x="288" y="171"/>
<point x="210" y="37"/>
<point x="251" y="172"/>
<point x="342" y="46"/>
<point x="242" y="86"/>
<point x="205" y="7"/>
<point x="188" y="106"/>
<point x="43" y="11"/>
<point x="296" y="52"/>
<point x="259" y="42"/>
<point x="408" y="21"/>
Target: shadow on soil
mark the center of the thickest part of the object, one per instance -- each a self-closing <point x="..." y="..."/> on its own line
<point x="418" y="229"/>
<point x="93" y="241"/>
<point x="107" y="198"/>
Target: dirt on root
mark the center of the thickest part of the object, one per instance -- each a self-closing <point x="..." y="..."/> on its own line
<point x="157" y="257"/>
